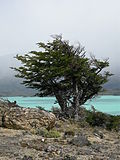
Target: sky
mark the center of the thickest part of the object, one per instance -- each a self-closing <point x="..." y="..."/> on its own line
<point x="94" y="23"/>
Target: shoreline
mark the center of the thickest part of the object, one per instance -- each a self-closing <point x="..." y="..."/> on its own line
<point x="106" y="104"/>
<point x="34" y="134"/>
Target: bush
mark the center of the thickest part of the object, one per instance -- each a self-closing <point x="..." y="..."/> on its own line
<point x="48" y="134"/>
<point x="69" y="114"/>
<point x="114" y="123"/>
<point x="103" y="120"/>
<point x="97" y="118"/>
<point x="41" y="108"/>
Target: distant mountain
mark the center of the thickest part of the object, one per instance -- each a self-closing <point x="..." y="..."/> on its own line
<point x="113" y="83"/>
<point x="10" y="86"/>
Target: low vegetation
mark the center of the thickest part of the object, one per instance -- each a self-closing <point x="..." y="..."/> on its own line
<point x="92" y="118"/>
<point x="100" y="119"/>
<point x="48" y="134"/>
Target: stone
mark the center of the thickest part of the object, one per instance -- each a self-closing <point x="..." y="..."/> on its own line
<point x="27" y="158"/>
<point x="80" y="141"/>
<point x="96" y="147"/>
<point x="42" y="140"/>
<point x="13" y="117"/>
<point x="69" y="133"/>
<point x="68" y="157"/>
<point x="98" y="134"/>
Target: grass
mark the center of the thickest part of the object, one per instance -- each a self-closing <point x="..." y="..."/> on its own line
<point x="48" y="134"/>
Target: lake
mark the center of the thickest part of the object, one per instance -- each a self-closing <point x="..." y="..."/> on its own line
<point x="108" y="104"/>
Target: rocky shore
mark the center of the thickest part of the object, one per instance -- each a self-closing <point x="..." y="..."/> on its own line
<point x="55" y="139"/>
<point x="87" y="144"/>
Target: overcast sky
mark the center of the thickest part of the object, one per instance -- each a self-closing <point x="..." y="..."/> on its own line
<point x="94" y="23"/>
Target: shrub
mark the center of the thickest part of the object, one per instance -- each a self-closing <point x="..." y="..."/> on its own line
<point x="103" y="120"/>
<point x="48" y="134"/>
<point x="97" y="118"/>
<point x="41" y="108"/>
<point x="114" y="123"/>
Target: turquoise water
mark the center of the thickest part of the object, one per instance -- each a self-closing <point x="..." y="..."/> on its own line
<point x="107" y="104"/>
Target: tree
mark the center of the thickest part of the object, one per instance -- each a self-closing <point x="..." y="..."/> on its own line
<point x="64" y="71"/>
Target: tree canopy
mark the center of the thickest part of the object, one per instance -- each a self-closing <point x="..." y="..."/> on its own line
<point x="64" y="71"/>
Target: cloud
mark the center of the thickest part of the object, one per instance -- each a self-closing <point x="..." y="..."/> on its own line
<point x="94" y="23"/>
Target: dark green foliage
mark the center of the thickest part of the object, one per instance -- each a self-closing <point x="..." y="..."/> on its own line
<point x="114" y="123"/>
<point x="41" y="108"/>
<point x="63" y="70"/>
<point x="103" y="120"/>
<point x="97" y="118"/>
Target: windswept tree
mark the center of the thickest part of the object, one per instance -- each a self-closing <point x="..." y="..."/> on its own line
<point x="63" y="70"/>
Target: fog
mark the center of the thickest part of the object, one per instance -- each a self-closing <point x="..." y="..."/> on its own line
<point x="95" y="24"/>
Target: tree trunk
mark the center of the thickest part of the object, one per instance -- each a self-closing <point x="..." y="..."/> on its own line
<point x="62" y="102"/>
<point x="76" y="102"/>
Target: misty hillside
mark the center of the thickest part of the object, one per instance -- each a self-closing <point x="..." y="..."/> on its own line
<point x="114" y="83"/>
<point x="10" y="86"/>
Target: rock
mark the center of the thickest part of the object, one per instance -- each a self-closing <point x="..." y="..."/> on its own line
<point x="80" y="141"/>
<point x="113" y="157"/>
<point x="3" y="108"/>
<point x="14" y="145"/>
<point x="25" y="118"/>
<point x="50" y="149"/>
<point x="96" y="147"/>
<point x="68" y="157"/>
<point x="42" y="140"/>
<point x="27" y="158"/>
<point x="98" y="134"/>
<point x="53" y="150"/>
<point x="69" y="133"/>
